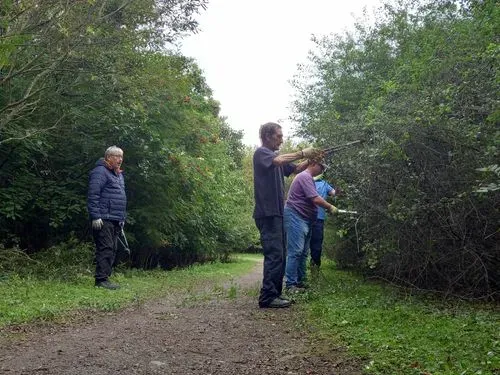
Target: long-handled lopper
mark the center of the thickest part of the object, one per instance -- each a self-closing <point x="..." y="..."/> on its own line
<point x="125" y="242"/>
<point x="331" y="150"/>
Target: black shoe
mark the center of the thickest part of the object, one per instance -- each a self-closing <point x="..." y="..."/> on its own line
<point x="106" y="285"/>
<point x="279" y="303"/>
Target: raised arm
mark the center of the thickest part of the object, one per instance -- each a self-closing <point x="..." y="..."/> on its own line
<point x="288" y="158"/>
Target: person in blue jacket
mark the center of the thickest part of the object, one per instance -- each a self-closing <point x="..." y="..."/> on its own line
<point x="107" y="203"/>
<point x="324" y="190"/>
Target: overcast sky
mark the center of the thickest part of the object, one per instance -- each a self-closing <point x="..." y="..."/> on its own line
<point x="249" y="51"/>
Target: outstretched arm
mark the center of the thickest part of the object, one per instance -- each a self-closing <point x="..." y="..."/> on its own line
<point x="318" y="201"/>
<point x="287" y="158"/>
<point x="306" y="153"/>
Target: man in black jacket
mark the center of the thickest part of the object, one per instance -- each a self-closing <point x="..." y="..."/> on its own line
<point x="107" y="203"/>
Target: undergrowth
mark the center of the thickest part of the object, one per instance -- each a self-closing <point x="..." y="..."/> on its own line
<point x="403" y="333"/>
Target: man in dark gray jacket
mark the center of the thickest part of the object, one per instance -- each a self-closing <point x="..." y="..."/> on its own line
<point x="107" y="204"/>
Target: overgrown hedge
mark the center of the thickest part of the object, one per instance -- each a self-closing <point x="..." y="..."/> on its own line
<point x="420" y="86"/>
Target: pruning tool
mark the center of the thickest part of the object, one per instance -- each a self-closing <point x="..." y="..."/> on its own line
<point x="347" y="212"/>
<point x="124" y="242"/>
<point x="331" y="150"/>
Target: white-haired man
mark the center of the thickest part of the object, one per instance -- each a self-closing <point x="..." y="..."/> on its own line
<point x="107" y="203"/>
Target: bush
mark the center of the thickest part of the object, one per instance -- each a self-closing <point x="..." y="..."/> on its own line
<point x="419" y="86"/>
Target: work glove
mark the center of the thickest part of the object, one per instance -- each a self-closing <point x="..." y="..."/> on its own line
<point x="309" y="153"/>
<point x="97" y="224"/>
<point x="333" y="209"/>
<point x="121" y="224"/>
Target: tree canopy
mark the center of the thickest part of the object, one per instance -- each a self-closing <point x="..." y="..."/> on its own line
<point x="77" y="77"/>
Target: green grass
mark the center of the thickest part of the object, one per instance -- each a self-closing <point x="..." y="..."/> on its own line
<point x="398" y="333"/>
<point x="28" y="298"/>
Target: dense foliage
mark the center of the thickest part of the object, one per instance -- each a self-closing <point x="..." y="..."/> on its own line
<point x="77" y="77"/>
<point x="420" y="86"/>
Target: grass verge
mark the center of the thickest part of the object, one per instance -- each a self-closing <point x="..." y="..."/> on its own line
<point x="400" y="333"/>
<point x="36" y="297"/>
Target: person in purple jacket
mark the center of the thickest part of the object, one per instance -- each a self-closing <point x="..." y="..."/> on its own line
<point x="107" y="203"/>
<point x="299" y="215"/>
<point x="268" y="170"/>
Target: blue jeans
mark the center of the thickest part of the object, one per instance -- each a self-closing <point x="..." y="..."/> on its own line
<point x="298" y="231"/>
<point x="272" y="238"/>
<point x="317" y="241"/>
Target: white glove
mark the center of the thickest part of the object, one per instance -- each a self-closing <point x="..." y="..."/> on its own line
<point x="333" y="210"/>
<point x="97" y="224"/>
<point x="309" y="152"/>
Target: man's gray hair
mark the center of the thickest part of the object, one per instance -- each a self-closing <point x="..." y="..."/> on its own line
<point x="267" y="130"/>
<point x="112" y="150"/>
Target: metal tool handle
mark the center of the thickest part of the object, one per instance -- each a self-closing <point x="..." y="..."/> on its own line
<point x="348" y="212"/>
<point x="124" y="242"/>
<point x="329" y="150"/>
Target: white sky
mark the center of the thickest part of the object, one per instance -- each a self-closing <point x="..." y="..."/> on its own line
<point x="249" y="51"/>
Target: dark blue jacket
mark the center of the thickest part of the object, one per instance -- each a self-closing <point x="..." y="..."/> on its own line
<point x="106" y="196"/>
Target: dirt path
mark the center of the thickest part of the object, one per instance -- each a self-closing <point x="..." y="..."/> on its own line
<point x="196" y="334"/>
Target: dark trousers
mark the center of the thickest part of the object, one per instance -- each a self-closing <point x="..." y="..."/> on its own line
<point x="317" y="241"/>
<point x="272" y="239"/>
<point x="105" y="249"/>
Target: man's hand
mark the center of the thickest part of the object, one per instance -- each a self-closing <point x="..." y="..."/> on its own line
<point x="332" y="209"/>
<point x="121" y="224"/>
<point x="97" y="224"/>
<point x="309" y="152"/>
